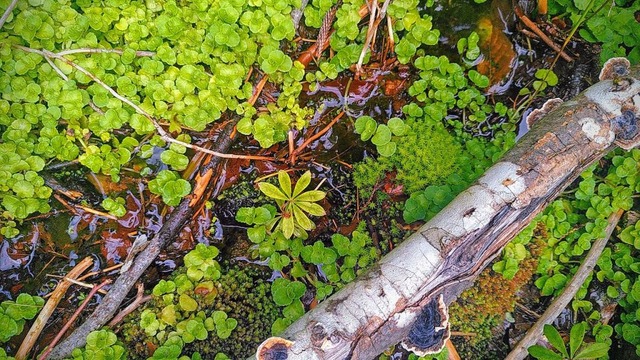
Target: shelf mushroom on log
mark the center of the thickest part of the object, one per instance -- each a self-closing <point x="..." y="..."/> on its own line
<point x="402" y="298"/>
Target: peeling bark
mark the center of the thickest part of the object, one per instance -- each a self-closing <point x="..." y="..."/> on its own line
<point x="443" y="257"/>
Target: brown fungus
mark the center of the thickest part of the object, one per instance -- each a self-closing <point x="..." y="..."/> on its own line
<point x="614" y="68"/>
<point x="536" y="114"/>
<point x="625" y="127"/>
<point x="274" y="348"/>
<point x="430" y="331"/>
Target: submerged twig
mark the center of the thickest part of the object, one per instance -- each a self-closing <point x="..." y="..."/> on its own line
<point x="318" y="135"/>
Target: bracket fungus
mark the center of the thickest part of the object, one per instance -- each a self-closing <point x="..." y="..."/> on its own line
<point x="614" y="68"/>
<point x="274" y="348"/>
<point x="430" y="331"/>
<point x="547" y="107"/>
<point x="626" y="128"/>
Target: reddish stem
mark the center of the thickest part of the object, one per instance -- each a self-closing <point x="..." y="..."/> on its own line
<point x="316" y="136"/>
<point x="73" y="319"/>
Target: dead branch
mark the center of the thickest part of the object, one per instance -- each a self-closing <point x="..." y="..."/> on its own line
<point x="403" y="297"/>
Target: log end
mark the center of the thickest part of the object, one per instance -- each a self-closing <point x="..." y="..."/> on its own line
<point x="274" y="348"/>
<point x="430" y="331"/>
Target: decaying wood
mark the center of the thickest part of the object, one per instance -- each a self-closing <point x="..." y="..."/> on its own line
<point x="534" y="333"/>
<point x="121" y="287"/>
<point x="380" y="308"/>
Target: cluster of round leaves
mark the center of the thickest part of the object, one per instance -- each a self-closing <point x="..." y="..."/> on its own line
<point x="615" y="26"/>
<point x="202" y="310"/>
<point x="13" y="314"/>
<point x="340" y="263"/>
<point x="382" y="136"/>
<point x="416" y="30"/>
<point x="444" y="86"/>
<point x="101" y="344"/>
<point x="571" y="224"/>
<point x="185" y="65"/>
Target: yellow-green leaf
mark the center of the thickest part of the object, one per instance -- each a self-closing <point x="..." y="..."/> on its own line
<point x="287" y="226"/>
<point x="285" y="182"/>
<point x="311" y="208"/>
<point x="272" y="191"/>
<point x="302" y="183"/>
<point x="302" y="219"/>
<point x="311" y="195"/>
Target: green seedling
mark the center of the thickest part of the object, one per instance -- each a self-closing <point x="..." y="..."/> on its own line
<point x="293" y="205"/>
<point x="578" y="349"/>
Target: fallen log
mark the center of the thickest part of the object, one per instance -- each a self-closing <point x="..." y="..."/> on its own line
<point x="403" y="297"/>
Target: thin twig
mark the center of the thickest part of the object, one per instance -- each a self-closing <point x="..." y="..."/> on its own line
<point x="163" y="134"/>
<point x="370" y="35"/>
<point x="555" y="308"/>
<point x="390" y="28"/>
<point x="531" y="25"/>
<point x="258" y="89"/>
<point x="84" y="284"/>
<point x="73" y="318"/>
<point x="319" y="134"/>
<point x="96" y="212"/>
<point x="7" y="12"/>
<point x="527" y="310"/>
<point x="139" y="300"/>
<point x="451" y="349"/>
<point x="101" y="271"/>
<point x="292" y="156"/>
<point x="140" y="53"/>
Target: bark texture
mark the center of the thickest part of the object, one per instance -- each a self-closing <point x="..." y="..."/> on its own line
<point x="379" y="309"/>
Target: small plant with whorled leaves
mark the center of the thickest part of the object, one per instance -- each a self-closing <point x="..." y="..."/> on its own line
<point x="578" y="349"/>
<point x="293" y="205"/>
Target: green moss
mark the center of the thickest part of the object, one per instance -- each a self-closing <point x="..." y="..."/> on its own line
<point x="241" y="292"/>
<point x="426" y="155"/>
